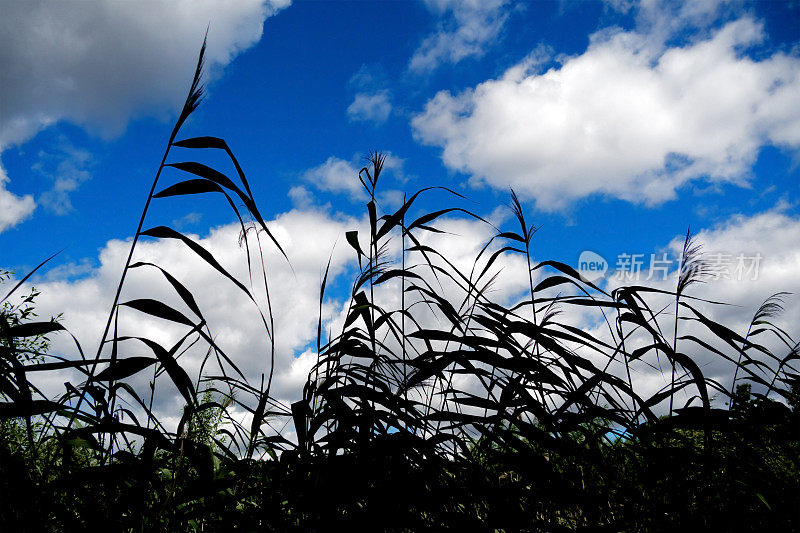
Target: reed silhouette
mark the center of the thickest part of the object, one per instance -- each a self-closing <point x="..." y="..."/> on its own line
<point x="434" y="407"/>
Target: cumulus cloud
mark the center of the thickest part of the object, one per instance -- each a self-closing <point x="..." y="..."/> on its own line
<point x="769" y="235"/>
<point x="98" y="63"/>
<point x="751" y="258"/>
<point x="335" y="175"/>
<point x="629" y="118"/>
<point x="370" y="107"/>
<point x="756" y="256"/>
<point x="372" y="101"/>
<point x="308" y="238"/>
<point x="301" y="197"/>
<point x="465" y="28"/>
<point x="13" y="208"/>
<point x="339" y="176"/>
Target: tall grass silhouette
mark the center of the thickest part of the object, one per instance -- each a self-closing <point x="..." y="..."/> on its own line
<point x="435" y="406"/>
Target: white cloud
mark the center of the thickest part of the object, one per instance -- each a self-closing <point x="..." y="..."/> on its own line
<point x="341" y="177"/>
<point x="13" y="209"/>
<point x="308" y="238"/>
<point x="370" y="107"/>
<point x="188" y="219"/>
<point x="67" y="167"/>
<point x="336" y="175"/>
<point x="627" y="118"/>
<point x="663" y="19"/>
<point x="459" y="243"/>
<point x="465" y="29"/>
<point x="367" y="77"/>
<point x="301" y="197"/>
<point x="770" y="236"/>
<point x="99" y="63"/>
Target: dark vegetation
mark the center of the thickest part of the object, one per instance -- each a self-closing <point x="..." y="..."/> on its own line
<point x="444" y="412"/>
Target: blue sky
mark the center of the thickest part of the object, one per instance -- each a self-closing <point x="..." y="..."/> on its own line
<point x="282" y="105"/>
<point x="618" y="123"/>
